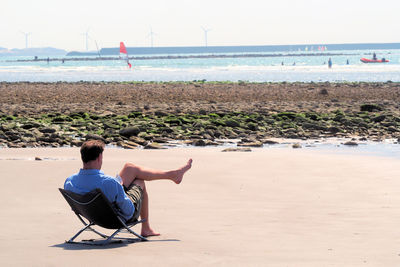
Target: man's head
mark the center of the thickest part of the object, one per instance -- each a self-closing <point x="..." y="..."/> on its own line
<point x="91" y="150"/>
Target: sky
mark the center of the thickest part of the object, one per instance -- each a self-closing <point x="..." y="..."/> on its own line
<point x="63" y="24"/>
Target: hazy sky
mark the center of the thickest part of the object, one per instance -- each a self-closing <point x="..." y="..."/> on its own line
<point x="62" y="24"/>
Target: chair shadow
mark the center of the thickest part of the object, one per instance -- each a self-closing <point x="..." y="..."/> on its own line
<point x="113" y="245"/>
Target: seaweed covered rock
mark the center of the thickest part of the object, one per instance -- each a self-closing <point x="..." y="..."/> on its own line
<point x="370" y="107"/>
<point x="130" y="131"/>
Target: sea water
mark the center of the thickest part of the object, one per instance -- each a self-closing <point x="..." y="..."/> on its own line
<point x="275" y="67"/>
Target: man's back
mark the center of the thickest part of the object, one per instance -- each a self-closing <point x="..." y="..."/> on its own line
<point x="87" y="180"/>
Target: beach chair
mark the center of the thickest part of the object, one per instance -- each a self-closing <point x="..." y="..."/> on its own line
<point x="95" y="207"/>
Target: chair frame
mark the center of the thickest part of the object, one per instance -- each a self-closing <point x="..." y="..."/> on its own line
<point x="88" y="226"/>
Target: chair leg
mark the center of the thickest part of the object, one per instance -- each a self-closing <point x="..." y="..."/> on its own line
<point x="87" y="227"/>
<point x="107" y="239"/>
<point x="80" y="231"/>
<point x="133" y="232"/>
<point x="142" y="238"/>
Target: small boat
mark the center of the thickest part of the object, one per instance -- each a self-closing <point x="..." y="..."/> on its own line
<point x="367" y="60"/>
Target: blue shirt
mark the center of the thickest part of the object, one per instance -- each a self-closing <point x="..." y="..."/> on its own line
<point x="88" y="180"/>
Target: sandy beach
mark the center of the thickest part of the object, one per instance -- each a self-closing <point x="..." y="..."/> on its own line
<point x="268" y="207"/>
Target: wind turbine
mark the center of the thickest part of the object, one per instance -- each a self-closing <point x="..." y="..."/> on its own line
<point x="26" y="37"/>
<point x="205" y="34"/>
<point x="151" y="34"/>
<point x="87" y="38"/>
<point x="97" y="47"/>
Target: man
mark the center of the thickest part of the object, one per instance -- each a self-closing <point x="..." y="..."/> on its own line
<point x="127" y="191"/>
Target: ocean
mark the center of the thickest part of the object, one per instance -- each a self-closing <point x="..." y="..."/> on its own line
<point x="298" y="66"/>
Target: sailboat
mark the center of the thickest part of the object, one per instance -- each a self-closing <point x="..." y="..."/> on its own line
<point x="124" y="54"/>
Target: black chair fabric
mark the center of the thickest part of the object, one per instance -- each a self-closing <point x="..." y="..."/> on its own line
<point x="94" y="206"/>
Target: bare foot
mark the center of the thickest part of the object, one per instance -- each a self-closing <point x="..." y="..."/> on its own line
<point x="180" y="172"/>
<point x="150" y="232"/>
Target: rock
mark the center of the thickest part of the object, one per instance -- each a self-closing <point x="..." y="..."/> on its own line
<point x="127" y="145"/>
<point x="38" y="158"/>
<point x="7" y="126"/>
<point x="251" y="144"/>
<point x="237" y="149"/>
<point x="252" y="126"/>
<point x="291" y="135"/>
<point x="247" y="140"/>
<point x="296" y="145"/>
<point x="160" y="113"/>
<point x="110" y="125"/>
<point x="370" y="107"/>
<point x="334" y="129"/>
<point x="30" y="125"/>
<point x="350" y="143"/>
<point x="161" y="140"/>
<point x="313" y="126"/>
<point x="270" y="142"/>
<point x="77" y="143"/>
<point x="232" y="123"/>
<point x="199" y="142"/>
<point x="138" y="140"/>
<point x="323" y="92"/>
<point x="47" y="130"/>
<point x="36" y="133"/>
<point x="379" y="118"/>
<point x="154" y="146"/>
<point x="14" y="145"/>
<point x="12" y="135"/>
<point x="130" y="131"/>
<point x="207" y="136"/>
<point x="28" y="139"/>
<point x="94" y="137"/>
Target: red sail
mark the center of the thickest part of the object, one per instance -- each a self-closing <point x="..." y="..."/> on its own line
<point x="122" y="48"/>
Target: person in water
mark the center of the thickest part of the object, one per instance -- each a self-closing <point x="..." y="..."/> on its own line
<point x="374" y="56"/>
<point x="329" y="63"/>
<point x="127" y="190"/>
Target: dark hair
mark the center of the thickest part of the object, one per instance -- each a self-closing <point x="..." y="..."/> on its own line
<point x="91" y="150"/>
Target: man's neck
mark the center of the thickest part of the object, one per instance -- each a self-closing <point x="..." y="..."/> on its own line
<point x="91" y="166"/>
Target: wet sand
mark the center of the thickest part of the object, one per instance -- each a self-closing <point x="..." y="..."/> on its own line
<point x="185" y="97"/>
<point x="268" y="207"/>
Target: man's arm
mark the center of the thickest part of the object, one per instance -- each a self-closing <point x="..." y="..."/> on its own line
<point x="115" y="193"/>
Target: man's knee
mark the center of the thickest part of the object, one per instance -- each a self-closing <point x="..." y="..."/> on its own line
<point x="140" y="183"/>
<point x="129" y="165"/>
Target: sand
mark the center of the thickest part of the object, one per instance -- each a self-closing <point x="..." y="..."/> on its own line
<point x="268" y="207"/>
<point x="25" y="98"/>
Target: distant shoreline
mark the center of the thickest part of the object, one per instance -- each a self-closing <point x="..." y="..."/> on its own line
<point x="100" y="58"/>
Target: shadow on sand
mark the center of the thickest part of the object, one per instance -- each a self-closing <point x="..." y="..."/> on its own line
<point x="93" y="244"/>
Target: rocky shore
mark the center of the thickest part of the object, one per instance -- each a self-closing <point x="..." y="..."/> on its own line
<point x="146" y="114"/>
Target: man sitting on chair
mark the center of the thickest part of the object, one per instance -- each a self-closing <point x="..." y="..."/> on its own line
<point x="127" y="190"/>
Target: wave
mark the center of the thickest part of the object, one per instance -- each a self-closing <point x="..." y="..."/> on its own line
<point x="224" y="72"/>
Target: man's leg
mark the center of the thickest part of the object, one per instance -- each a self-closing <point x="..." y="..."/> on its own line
<point x="144" y="211"/>
<point x="135" y="174"/>
<point x="131" y="171"/>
